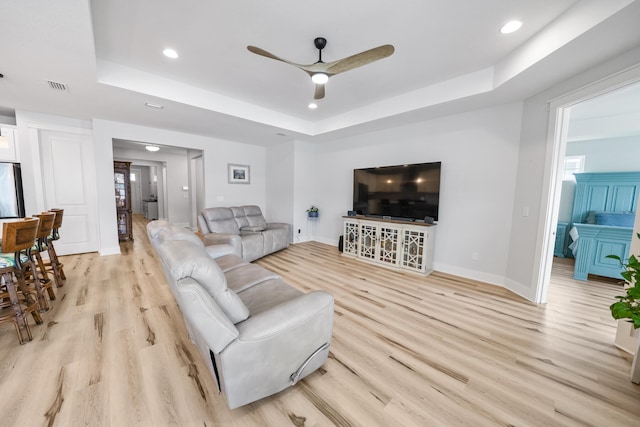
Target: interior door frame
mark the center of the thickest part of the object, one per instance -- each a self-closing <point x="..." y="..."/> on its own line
<point x="559" y="115"/>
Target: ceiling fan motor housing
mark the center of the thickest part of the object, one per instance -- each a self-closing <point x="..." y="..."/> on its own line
<point x="320" y="42"/>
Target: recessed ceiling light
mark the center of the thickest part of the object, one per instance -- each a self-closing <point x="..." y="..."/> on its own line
<point x="313" y="106"/>
<point x="158" y="106"/>
<point x="510" y="27"/>
<point x="170" y="53"/>
<point x="152" y="148"/>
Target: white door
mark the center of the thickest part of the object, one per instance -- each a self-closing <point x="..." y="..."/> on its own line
<point x="197" y="187"/>
<point x="136" y="190"/>
<point x="69" y="183"/>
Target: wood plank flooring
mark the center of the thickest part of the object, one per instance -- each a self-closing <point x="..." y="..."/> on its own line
<point x="406" y="351"/>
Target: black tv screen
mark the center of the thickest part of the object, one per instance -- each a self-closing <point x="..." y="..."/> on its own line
<point x="404" y="191"/>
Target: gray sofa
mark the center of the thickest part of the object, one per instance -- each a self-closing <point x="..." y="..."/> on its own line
<point x="245" y="229"/>
<point x="257" y="334"/>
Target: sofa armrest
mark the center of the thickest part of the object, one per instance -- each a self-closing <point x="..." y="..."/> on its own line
<point x="220" y="250"/>
<point x="277" y="347"/>
<point x="203" y="317"/>
<point x="286" y="316"/>
<point x="273" y="225"/>
<point x="203" y="228"/>
<point x="224" y="239"/>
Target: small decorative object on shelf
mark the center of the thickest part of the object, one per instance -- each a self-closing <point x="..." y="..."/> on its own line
<point x="313" y="212"/>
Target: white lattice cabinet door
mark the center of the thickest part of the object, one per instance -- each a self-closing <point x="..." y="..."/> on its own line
<point x="350" y="242"/>
<point x="367" y="243"/>
<point x="416" y="249"/>
<point x="388" y="239"/>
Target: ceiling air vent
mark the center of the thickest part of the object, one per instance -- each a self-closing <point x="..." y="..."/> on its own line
<point x="58" y="86"/>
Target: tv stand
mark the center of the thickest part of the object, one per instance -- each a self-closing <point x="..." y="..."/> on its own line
<point x="398" y="244"/>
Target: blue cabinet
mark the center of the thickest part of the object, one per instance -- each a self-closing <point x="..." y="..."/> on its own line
<point x="603" y="193"/>
<point x="562" y="240"/>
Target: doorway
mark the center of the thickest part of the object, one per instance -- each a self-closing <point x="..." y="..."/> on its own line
<point x="166" y="178"/>
<point x="559" y="124"/>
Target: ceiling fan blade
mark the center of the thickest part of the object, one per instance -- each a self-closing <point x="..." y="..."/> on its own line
<point x="319" y="94"/>
<point x="266" y="54"/>
<point x="359" y="59"/>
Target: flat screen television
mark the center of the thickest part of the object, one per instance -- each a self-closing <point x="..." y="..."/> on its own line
<point x="404" y="191"/>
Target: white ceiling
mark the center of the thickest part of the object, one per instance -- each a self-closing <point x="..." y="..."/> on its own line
<point x="449" y="56"/>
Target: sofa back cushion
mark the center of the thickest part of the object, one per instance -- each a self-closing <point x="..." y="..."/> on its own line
<point x="220" y="220"/>
<point x="249" y="216"/>
<point x="184" y="259"/>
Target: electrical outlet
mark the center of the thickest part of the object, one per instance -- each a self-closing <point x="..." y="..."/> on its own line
<point x="474" y="256"/>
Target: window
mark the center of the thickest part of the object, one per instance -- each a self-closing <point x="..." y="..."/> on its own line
<point x="572" y="164"/>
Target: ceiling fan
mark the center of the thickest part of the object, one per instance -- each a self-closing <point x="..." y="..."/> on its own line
<point x="321" y="71"/>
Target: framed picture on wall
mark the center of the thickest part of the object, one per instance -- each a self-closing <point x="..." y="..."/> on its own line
<point x="238" y="174"/>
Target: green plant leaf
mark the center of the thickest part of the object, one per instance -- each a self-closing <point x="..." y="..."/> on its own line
<point x="634" y="293"/>
<point x="619" y="310"/>
<point x="628" y="305"/>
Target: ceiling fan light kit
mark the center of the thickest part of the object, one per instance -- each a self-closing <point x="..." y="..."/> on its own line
<point x="321" y="71"/>
<point x="319" y="78"/>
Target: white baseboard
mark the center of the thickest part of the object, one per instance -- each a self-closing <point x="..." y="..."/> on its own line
<point x="115" y="250"/>
<point x="492" y="279"/>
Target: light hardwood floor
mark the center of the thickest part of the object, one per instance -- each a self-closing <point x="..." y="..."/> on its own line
<point x="406" y="351"/>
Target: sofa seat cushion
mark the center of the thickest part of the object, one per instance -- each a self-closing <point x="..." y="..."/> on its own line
<point x="246" y="276"/>
<point x="229" y="262"/>
<point x="217" y="251"/>
<point x="268" y="294"/>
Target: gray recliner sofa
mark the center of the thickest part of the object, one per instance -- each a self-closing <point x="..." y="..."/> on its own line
<point x="245" y="229"/>
<point x="257" y="334"/>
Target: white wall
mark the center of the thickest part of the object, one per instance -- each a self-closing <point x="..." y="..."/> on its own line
<point x="479" y="153"/>
<point x="280" y="160"/>
<point x="607" y="155"/>
<point x="308" y="179"/>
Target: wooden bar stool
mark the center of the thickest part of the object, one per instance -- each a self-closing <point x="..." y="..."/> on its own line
<point x="54" y="265"/>
<point x="39" y="274"/>
<point x="18" y="237"/>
